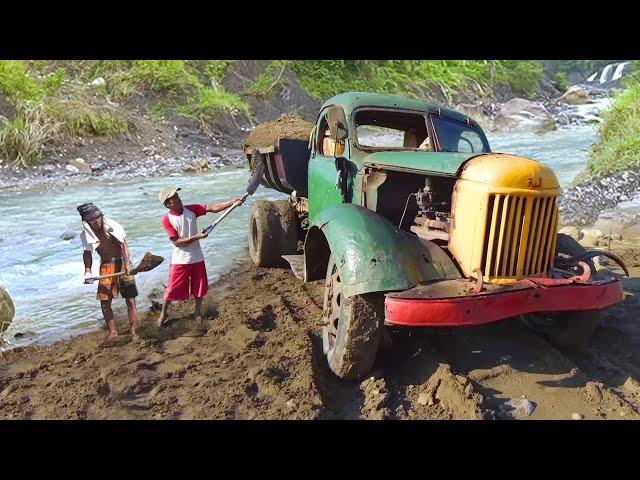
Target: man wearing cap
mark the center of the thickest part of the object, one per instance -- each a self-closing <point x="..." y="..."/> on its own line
<point x="108" y="238"/>
<point x="187" y="273"/>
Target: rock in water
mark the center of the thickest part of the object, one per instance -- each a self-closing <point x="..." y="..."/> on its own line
<point x="576" y="95"/>
<point x="523" y="115"/>
<point x="7" y="310"/>
<point x="68" y="235"/>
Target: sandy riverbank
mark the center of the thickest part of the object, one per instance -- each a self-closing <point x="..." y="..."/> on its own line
<point x="261" y="358"/>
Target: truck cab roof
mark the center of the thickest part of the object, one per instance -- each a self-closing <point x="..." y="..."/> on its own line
<point x="350" y="101"/>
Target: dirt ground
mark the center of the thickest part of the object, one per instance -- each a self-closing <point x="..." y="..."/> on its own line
<point x="262" y="358"/>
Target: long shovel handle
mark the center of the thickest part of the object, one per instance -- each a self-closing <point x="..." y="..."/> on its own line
<point x="226" y="212"/>
<point x="90" y="280"/>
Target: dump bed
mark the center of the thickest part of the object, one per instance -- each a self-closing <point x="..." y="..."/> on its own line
<point x="286" y="165"/>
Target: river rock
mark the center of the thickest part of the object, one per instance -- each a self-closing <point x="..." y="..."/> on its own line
<point x="517" y="408"/>
<point x="80" y="165"/>
<point x="7" y="310"/>
<point x="521" y="115"/>
<point x="573" y="231"/>
<point x="576" y="95"/>
<point x="583" y="203"/>
<point x="68" y="235"/>
<point x="98" y="82"/>
<point x="591" y="237"/>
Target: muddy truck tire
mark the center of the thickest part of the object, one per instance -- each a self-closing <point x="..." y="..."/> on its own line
<point x="273" y="232"/>
<point x="352" y="328"/>
<point x="573" y="329"/>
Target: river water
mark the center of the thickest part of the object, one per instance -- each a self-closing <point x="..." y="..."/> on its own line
<point x="43" y="273"/>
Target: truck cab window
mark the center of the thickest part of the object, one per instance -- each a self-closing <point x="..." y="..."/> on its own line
<point x="454" y="136"/>
<point x="391" y="129"/>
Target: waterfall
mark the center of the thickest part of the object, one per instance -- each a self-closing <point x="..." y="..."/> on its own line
<point x="604" y="77"/>
<point x="592" y="77"/>
<point x="619" y="69"/>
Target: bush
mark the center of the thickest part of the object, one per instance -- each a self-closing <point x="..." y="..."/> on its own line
<point x="22" y="139"/>
<point x="207" y="103"/>
<point x="16" y="83"/>
<point x="560" y="79"/>
<point x="619" y="145"/>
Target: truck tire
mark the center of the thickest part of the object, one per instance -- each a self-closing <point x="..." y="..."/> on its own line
<point x="572" y="329"/>
<point x="272" y="232"/>
<point x="352" y="328"/>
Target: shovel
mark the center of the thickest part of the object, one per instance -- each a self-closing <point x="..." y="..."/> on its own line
<point x="254" y="181"/>
<point x="148" y="262"/>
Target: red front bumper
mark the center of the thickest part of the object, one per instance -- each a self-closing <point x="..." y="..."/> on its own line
<point x="452" y="303"/>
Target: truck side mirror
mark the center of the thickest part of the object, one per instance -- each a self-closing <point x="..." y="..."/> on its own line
<point x="337" y="123"/>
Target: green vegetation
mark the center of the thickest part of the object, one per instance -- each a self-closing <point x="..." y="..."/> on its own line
<point x="207" y="103"/>
<point x="560" y="79"/>
<point x="268" y="78"/>
<point x="16" y="83"/>
<point x="322" y="79"/>
<point x="22" y="139"/>
<point x="70" y="106"/>
<point x="81" y="118"/>
<point x="67" y="101"/>
<point x="619" y="145"/>
<point x="217" y="69"/>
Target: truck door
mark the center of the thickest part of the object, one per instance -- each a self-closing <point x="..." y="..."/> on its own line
<point x="325" y="187"/>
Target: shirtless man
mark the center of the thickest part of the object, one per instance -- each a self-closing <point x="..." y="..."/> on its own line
<point x="107" y="237"/>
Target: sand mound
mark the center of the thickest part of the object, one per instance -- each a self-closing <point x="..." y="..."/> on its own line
<point x="286" y="126"/>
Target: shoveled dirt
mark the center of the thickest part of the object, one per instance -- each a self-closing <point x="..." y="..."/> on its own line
<point x="285" y="126"/>
<point x="262" y="358"/>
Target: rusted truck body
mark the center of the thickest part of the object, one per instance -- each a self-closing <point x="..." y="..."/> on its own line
<point x="411" y="220"/>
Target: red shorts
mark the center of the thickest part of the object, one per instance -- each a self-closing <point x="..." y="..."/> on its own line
<point x="183" y="277"/>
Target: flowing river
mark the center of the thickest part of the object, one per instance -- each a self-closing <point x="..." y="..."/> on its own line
<point x="43" y="273"/>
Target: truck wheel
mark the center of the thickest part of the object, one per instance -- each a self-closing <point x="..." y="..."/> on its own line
<point x="353" y="326"/>
<point x="264" y="234"/>
<point x="573" y="329"/>
<point x="273" y="231"/>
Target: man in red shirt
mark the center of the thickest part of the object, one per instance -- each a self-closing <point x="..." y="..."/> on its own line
<point x="187" y="270"/>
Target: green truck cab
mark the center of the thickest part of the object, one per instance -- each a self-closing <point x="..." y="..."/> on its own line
<point x="410" y="219"/>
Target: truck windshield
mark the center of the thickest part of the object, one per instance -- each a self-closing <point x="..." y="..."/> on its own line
<point x="454" y="136"/>
<point x="391" y="129"/>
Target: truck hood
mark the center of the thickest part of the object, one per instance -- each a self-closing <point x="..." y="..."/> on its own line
<point x="446" y="163"/>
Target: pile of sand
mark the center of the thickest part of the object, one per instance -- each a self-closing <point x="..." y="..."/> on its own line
<point x="286" y="126"/>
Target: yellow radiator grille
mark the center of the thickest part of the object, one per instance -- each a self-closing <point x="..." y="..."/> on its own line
<point x="520" y="237"/>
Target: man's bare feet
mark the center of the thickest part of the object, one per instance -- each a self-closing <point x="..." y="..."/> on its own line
<point x="110" y="338"/>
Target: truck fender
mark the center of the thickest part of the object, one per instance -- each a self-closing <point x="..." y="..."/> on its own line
<point x="372" y="254"/>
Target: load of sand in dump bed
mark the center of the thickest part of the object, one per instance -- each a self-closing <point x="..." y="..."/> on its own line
<point x="286" y="126"/>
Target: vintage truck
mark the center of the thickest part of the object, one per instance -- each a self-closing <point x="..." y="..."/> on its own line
<point x="411" y="220"/>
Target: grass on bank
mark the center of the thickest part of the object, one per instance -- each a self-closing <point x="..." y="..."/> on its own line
<point x="22" y="139"/>
<point x="618" y="147"/>
<point x="325" y="78"/>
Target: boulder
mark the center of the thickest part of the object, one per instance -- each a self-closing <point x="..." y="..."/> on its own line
<point x="80" y="165"/>
<point x="521" y="115"/>
<point x="576" y="95"/>
<point x="98" y="82"/>
<point x="592" y="237"/>
<point x="7" y="310"/>
<point x="573" y="231"/>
